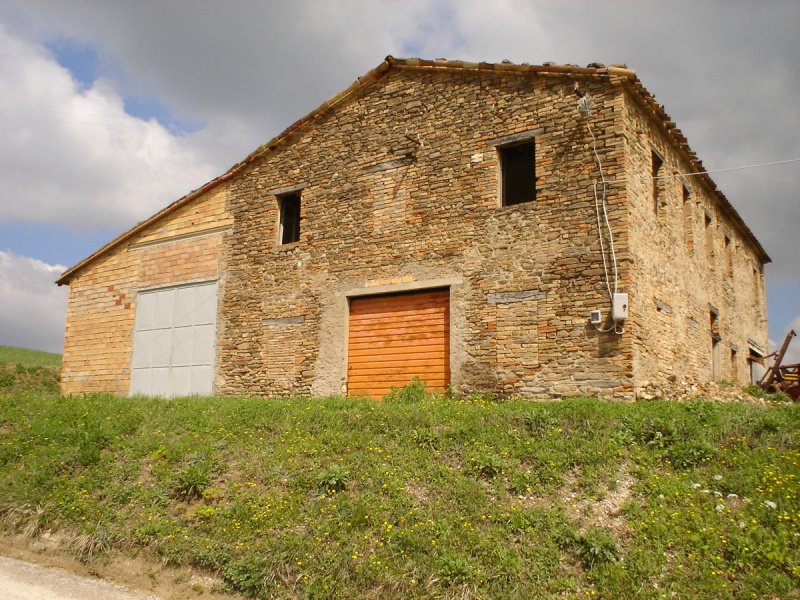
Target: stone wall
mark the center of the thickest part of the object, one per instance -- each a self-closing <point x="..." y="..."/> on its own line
<point x="400" y="190"/>
<point x="182" y="247"/>
<point x="688" y="261"/>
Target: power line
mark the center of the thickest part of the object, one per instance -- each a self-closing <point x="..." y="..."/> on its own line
<point x="769" y="164"/>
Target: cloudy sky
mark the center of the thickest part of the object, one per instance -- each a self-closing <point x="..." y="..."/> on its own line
<point x="111" y="110"/>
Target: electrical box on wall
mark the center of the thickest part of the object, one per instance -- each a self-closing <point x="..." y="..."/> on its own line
<point x="595" y="317"/>
<point x="619" y="307"/>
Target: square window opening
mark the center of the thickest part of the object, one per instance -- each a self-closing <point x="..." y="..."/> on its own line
<point x="518" y="173"/>
<point x="289" y="226"/>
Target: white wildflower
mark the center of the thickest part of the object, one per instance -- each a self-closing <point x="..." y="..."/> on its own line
<point x="717" y="478"/>
<point x="770" y="504"/>
<point x="695" y="486"/>
<point x="717" y="494"/>
<point x="706" y="491"/>
<point x="732" y="496"/>
<point x="719" y="507"/>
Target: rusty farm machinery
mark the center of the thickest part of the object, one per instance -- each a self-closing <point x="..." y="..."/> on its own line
<point x="780" y="377"/>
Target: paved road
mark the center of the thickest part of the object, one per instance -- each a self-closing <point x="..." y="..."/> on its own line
<point x="26" y="581"/>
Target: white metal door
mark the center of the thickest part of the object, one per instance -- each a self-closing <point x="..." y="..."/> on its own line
<point x="173" y="341"/>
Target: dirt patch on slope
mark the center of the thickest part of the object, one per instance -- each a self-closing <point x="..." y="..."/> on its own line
<point x="135" y="573"/>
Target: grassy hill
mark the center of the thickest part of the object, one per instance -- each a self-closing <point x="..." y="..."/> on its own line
<point x="23" y="370"/>
<point x="417" y="496"/>
<point x="27" y="357"/>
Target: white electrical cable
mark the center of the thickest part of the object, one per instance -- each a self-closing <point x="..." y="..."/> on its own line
<point x="600" y="235"/>
<point x="597" y="206"/>
<point x="616" y="327"/>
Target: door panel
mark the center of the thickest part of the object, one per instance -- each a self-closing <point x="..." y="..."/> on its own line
<point x="173" y="341"/>
<point x="394" y="338"/>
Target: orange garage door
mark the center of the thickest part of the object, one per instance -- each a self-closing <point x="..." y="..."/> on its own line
<point x="396" y="337"/>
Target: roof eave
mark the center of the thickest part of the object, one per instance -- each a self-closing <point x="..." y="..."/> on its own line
<point x="677" y="136"/>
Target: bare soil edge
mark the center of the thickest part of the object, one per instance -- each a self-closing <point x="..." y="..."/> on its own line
<point x="136" y="573"/>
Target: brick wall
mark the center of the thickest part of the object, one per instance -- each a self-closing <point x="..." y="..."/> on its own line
<point x="102" y="298"/>
<point x="683" y="269"/>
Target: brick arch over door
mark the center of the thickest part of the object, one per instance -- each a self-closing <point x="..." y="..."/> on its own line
<point x="396" y="337"/>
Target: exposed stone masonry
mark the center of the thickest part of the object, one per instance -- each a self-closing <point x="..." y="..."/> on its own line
<point x="399" y="181"/>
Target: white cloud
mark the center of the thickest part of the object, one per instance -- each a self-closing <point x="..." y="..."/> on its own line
<point x="74" y="157"/>
<point x="33" y="309"/>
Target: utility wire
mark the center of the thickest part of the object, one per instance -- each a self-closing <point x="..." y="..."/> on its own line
<point x="769" y="164"/>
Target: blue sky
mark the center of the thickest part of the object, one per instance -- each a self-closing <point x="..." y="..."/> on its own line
<point x="121" y="108"/>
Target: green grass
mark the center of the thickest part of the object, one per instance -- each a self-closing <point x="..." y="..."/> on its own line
<point x="29" y="371"/>
<point x="29" y="358"/>
<point x="418" y="497"/>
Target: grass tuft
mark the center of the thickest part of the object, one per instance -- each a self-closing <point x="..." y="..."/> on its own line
<point x="421" y="496"/>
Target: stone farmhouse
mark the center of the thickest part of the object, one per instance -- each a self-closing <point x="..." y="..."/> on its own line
<point x="536" y="231"/>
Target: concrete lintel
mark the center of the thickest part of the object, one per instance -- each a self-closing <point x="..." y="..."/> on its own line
<point x="522" y="136"/>
<point x="408" y="286"/>
<point x="288" y="189"/>
<point x="178" y="284"/>
<point x="180" y="237"/>
<point x="755" y="346"/>
<point x="507" y="297"/>
<point x="284" y="320"/>
<point x="663" y="307"/>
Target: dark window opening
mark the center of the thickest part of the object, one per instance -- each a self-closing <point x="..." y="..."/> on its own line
<point x="756" y="291"/>
<point x="290" y="218"/>
<point x="518" y="173"/>
<point x="709" y="238"/>
<point x="688" y="225"/>
<point x="715" y="345"/>
<point x="657" y="163"/>
<point x="728" y="257"/>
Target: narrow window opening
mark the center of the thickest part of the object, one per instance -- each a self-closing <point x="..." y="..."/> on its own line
<point x="290" y="218"/>
<point x="716" y="341"/>
<point x="756" y="291"/>
<point x="687" y="220"/>
<point x="518" y="173"/>
<point x="656" y="163"/>
<point x="728" y="257"/>
<point x="734" y="366"/>
<point x="709" y="238"/>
